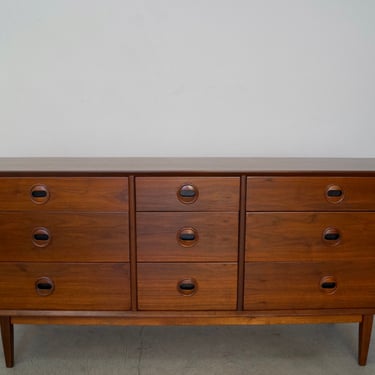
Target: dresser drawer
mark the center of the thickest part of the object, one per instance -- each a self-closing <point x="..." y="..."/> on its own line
<point x="310" y="193"/>
<point x="51" y="286"/>
<point x="64" y="193"/>
<point x="54" y="237"/>
<point x="315" y="285"/>
<point x="187" y="236"/>
<point x="173" y="286"/>
<point x="187" y="193"/>
<point x="303" y="236"/>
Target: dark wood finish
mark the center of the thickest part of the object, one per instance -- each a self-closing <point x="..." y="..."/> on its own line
<point x="162" y="193"/>
<point x="162" y="318"/>
<point x="80" y="286"/>
<point x="298" y="285"/>
<point x="290" y="193"/>
<point x="203" y="314"/>
<point x="215" y="237"/>
<point x="133" y="244"/>
<point x="241" y="244"/>
<point x="66" y="194"/>
<point x="286" y="236"/>
<point x="7" y="335"/>
<point x="73" y="237"/>
<point x="157" y="241"/>
<point x="365" y="328"/>
<point x="158" y="286"/>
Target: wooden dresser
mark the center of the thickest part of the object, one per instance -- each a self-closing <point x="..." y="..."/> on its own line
<point x="192" y="241"/>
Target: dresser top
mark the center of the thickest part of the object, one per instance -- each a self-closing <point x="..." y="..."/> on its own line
<point x="181" y="165"/>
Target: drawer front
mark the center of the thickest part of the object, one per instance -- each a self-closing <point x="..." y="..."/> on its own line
<point x="187" y="236"/>
<point x="275" y="236"/>
<point x="176" y="286"/>
<point x="69" y="237"/>
<point x="64" y="193"/>
<point x="51" y="286"/>
<point x="310" y="193"/>
<point x="187" y="193"/>
<point x="315" y="285"/>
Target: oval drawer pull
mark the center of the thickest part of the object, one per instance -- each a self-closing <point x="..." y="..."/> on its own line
<point x="187" y="237"/>
<point x="41" y="237"/>
<point x="187" y="193"/>
<point x="187" y="287"/>
<point x="39" y="194"/>
<point x="334" y="194"/>
<point x="328" y="284"/>
<point x="332" y="236"/>
<point x="44" y="286"/>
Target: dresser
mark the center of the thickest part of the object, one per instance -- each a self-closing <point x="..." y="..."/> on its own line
<point x="187" y="241"/>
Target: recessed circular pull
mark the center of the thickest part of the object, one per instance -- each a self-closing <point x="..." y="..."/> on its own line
<point x="41" y="237"/>
<point x="187" y="236"/>
<point x="187" y="287"/>
<point x="328" y="284"/>
<point x="44" y="286"/>
<point x="331" y="236"/>
<point x="39" y="194"/>
<point x="187" y="193"/>
<point x="334" y="194"/>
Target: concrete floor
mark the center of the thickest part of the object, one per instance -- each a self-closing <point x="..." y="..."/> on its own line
<point x="268" y="350"/>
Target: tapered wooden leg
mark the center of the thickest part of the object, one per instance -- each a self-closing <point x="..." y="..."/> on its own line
<point x="8" y="340"/>
<point x="365" y="328"/>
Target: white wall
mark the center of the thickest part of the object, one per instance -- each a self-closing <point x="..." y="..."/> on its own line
<point x="187" y="77"/>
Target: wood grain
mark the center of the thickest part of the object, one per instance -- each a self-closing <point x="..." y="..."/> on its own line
<point x="306" y="193"/>
<point x="297" y="285"/>
<point x="66" y="193"/>
<point x="216" y="238"/>
<point x="214" y="193"/>
<point x="216" y="286"/>
<point x="113" y="255"/>
<point x="79" y="286"/>
<point x="286" y="236"/>
<point x="73" y="237"/>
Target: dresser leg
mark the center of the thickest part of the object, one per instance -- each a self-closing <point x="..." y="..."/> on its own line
<point x="8" y="340"/>
<point x="365" y="328"/>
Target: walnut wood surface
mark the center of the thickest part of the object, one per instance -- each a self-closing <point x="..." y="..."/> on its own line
<point x="66" y="193"/>
<point x="79" y="286"/>
<point x="73" y="237"/>
<point x="297" y="285"/>
<point x="216" y="286"/>
<point x="163" y="318"/>
<point x="214" y="193"/>
<point x="105" y="212"/>
<point x="365" y="329"/>
<point x="299" y="236"/>
<point x="216" y="237"/>
<point x="309" y="193"/>
<point x="7" y="335"/>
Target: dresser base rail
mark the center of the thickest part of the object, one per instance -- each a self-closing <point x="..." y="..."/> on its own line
<point x="185" y="319"/>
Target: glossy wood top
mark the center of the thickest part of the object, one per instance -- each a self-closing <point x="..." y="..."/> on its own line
<point x="182" y="165"/>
